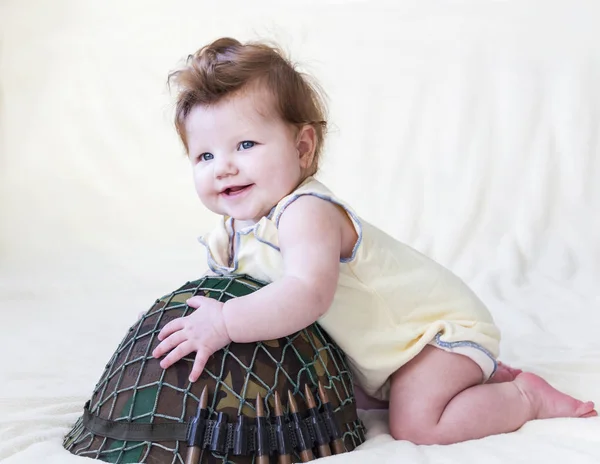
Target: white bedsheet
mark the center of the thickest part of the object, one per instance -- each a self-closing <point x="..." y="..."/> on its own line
<point x="470" y="130"/>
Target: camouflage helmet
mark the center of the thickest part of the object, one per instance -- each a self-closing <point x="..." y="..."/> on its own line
<point x="140" y="412"/>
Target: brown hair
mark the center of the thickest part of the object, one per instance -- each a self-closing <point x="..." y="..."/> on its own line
<point x="227" y="66"/>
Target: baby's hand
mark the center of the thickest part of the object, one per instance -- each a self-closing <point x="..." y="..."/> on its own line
<point x="202" y="331"/>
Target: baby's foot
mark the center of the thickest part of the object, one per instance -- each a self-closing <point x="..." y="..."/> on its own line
<point x="547" y="402"/>
<point x="504" y="373"/>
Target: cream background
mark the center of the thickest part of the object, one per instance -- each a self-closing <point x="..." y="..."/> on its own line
<point x="468" y="129"/>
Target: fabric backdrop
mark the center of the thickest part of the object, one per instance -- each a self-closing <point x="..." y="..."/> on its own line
<point x="469" y="130"/>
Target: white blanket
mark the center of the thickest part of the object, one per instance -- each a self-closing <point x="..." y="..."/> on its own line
<point x="470" y="130"/>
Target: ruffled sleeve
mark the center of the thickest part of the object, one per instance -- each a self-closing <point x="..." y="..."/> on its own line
<point x="217" y="244"/>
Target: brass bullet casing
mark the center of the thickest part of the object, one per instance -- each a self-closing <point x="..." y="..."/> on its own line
<point x="284" y="446"/>
<point x="193" y="455"/>
<point x="321" y="435"/>
<point x="302" y="436"/>
<point x="196" y="437"/>
<point x="262" y="433"/>
<point x="337" y="444"/>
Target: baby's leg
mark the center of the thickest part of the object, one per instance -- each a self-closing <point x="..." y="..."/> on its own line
<point x="364" y="401"/>
<point x="504" y="373"/>
<point x="438" y="398"/>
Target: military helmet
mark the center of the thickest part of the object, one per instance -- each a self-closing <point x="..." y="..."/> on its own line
<point x="278" y="400"/>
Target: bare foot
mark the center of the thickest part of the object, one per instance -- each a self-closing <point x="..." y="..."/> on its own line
<point x="547" y="402"/>
<point x="504" y="373"/>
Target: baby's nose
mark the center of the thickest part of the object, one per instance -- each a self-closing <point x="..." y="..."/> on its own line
<point x="225" y="166"/>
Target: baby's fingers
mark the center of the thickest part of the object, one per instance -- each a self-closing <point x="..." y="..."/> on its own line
<point x="179" y="352"/>
<point x="173" y="326"/>
<point x="201" y="359"/>
<point x="169" y="343"/>
<point x="195" y="301"/>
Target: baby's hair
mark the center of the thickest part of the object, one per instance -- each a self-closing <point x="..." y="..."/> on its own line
<point x="227" y="66"/>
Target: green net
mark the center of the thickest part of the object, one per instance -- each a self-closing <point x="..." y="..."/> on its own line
<point x="134" y="388"/>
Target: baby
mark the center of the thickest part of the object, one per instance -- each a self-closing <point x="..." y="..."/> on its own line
<point x="416" y="336"/>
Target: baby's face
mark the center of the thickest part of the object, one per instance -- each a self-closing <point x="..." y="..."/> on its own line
<point x="244" y="157"/>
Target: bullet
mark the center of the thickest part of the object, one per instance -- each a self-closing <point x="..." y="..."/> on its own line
<point x="219" y="435"/>
<point x="336" y="434"/>
<point x="240" y="437"/>
<point x="262" y="433"/>
<point x="197" y="428"/>
<point x="321" y="435"/>
<point x="302" y="436"/>
<point x="283" y="441"/>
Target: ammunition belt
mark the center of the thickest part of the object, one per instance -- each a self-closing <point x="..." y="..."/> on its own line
<point x="241" y="437"/>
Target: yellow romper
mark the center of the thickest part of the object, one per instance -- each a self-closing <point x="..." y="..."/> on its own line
<point x="390" y="300"/>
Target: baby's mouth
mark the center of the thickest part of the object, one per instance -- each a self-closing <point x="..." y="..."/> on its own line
<point x="236" y="190"/>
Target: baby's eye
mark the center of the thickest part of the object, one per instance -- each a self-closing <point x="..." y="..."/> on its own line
<point x="206" y="156"/>
<point x="246" y="144"/>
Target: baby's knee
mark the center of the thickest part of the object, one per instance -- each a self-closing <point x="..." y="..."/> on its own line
<point x="416" y="427"/>
<point x="417" y="434"/>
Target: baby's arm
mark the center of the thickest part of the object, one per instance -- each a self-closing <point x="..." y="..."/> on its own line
<point x="311" y="233"/>
<point x="310" y="239"/>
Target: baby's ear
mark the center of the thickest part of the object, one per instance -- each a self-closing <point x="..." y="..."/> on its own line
<point x="306" y="145"/>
